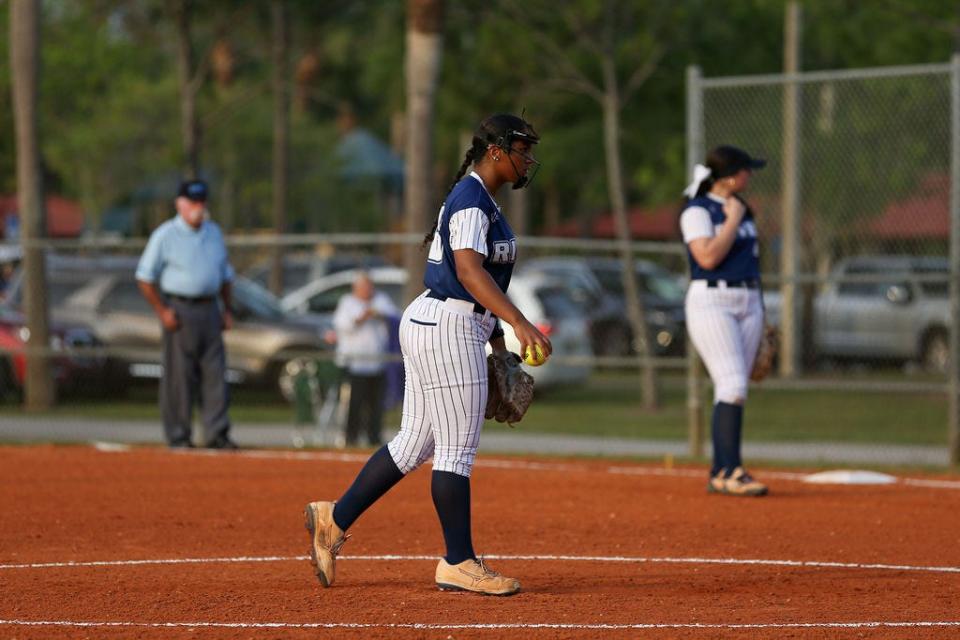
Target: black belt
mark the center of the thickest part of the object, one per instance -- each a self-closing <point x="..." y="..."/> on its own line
<point x="190" y="300"/>
<point x="477" y="308"/>
<point x="747" y="284"/>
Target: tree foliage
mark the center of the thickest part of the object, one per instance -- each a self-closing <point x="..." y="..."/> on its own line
<point x="110" y="119"/>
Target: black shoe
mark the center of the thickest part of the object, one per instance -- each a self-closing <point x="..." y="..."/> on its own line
<point x="223" y="442"/>
<point x="181" y="444"/>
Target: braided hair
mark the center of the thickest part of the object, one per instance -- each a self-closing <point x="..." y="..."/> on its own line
<point x="499" y="130"/>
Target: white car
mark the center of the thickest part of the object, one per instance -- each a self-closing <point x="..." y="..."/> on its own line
<point x="319" y="297"/>
<point x="544" y="301"/>
<point x="547" y="303"/>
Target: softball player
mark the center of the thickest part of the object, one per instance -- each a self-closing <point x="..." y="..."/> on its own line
<point x="724" y="310"/>
<point x="443" y="334"/>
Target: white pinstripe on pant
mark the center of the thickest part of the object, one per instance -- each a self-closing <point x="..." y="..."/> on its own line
<point x="725" y="325"/>
<point x="445" y="392"/>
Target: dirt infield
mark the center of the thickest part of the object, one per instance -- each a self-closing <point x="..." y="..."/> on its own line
<point x="149" y="543"/>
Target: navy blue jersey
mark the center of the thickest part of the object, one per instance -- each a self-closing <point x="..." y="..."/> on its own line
<point x="742" y="261"/>
<point x="470" y="219"/>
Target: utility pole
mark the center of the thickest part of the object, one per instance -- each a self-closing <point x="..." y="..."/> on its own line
<point x="25" y="65"/>
<point x="790" y="180"/>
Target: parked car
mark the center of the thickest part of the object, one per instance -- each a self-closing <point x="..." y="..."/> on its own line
<point x="72" y="371"/>
<point x="881" y="308"/>
<point x="596" y="285"/>
<point x="543" y="300"/>
<point x="550" y="306"/>
<point x="317" y="300"/>
<point x="103" y="295"/>
<point x="896" y="317"/>
<point x="300" y="269"/>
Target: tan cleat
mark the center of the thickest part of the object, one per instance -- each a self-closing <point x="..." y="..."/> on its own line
<point x="473" y="575"/>
<point x="326" y="538"/>
<point x="740" y="483"/>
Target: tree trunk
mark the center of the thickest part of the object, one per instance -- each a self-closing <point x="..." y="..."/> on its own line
<point x="190" y="127"/>
<point x="635" y="311"/>
<point x="281" y="136"/>
<point x="424" y="50"/>
<point x="39" y="390"/>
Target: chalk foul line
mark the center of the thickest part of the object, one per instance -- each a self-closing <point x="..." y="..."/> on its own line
<point x="516" y="625"/>
<point x="564" y="558"/>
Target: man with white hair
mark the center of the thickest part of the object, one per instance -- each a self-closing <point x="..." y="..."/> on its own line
<point x="362" y="324"/>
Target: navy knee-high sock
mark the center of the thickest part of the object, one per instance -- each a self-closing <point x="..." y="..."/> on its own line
<point x="726" y="427"/>
<point x="375" y="479"/>
<point x="451" y="498"/>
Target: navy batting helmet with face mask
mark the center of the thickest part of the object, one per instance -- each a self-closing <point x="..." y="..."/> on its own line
<point x="502" y="130"/>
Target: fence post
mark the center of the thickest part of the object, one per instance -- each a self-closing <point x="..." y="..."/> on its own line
<point x="789" y="309"/>
<point x="953" y="389"/>
<point x="694" y="370"/>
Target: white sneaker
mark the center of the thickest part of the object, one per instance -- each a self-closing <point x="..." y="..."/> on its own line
<point x="474" y="575"/>
<point x="326" y="538"/>
<point x="739" y="483"/>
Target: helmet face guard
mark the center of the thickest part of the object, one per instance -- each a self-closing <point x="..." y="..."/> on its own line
<point x="506" y="143"/>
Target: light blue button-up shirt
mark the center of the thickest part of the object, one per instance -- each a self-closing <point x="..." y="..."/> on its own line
<point x="185" y="261"/>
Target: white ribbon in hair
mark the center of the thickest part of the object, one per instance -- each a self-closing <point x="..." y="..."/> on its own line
<point x="700" y="173"/>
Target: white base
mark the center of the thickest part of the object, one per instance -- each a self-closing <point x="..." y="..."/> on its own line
<point x="850" y="477"/>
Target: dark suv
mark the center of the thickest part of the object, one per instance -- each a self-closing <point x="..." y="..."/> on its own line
<point x="595" y="282"/>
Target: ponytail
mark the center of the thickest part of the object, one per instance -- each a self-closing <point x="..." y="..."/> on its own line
<point x="468" y="159"/>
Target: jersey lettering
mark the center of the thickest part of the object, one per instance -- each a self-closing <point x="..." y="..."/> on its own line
<point x="504" y="252"/>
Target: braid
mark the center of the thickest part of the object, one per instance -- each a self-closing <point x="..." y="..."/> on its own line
<point x="468" y="159"/>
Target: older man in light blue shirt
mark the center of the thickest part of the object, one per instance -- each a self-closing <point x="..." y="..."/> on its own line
<point x="181" y="273"/>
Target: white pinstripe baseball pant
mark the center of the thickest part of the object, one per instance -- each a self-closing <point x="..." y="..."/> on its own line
<point x="725" y="325"/>
<point x="445" y="392"/>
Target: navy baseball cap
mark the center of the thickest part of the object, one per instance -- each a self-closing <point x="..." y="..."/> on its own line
<point x="727" y="160"/>
<point x="195" y="190"/>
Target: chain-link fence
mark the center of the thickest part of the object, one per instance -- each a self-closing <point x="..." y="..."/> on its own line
<point x="859" y="240"/>
<point x="281" y="352"/>
<point x="857" y="220"/>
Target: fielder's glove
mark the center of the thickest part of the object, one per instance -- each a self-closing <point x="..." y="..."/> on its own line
<point x="510" y="389"/>
<point x="766" y="354"/>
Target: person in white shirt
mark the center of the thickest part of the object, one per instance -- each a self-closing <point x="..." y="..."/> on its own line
<point x="362" y="324"/>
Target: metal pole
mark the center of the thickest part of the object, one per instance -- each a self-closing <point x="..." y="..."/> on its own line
<point x="953" y="402"/>
<point x="695" y="145"/>
<point x="790" y="182"/>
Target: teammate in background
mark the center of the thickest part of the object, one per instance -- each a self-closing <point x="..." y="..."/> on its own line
<point x="443" y="334"/>
<point x="182" y="271"/>
<point x="724" y="309"/>
<point x="362" y="320"/>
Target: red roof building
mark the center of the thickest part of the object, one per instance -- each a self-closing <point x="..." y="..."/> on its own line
<point x="659" y="223"/>
<point x="64" y="217"/>
<point x="924" y="215"/>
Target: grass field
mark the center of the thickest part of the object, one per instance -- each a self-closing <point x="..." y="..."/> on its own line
<point x="609" y="406"/>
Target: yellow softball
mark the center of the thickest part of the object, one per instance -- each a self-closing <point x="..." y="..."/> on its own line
<point x="534" y="356"/>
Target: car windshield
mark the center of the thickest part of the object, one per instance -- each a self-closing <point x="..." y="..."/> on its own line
<point x="326" y="301"/>
<point x="557" y="303"/>
<point x="252" y="300"/>
<point x="658" y="282"/>
<point x="295" y="275"/>
<point x="60" y="286"/>
<point x="664" y="285"/>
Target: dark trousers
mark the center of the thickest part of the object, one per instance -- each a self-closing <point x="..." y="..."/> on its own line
<point x="366" y="407"/>
<point x="194" y="369"/>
